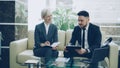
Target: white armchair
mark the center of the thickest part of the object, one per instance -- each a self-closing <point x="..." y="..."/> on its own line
<point x="112" y="61"/>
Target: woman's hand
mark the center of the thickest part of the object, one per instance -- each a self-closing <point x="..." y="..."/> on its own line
<point x="54" y="48"/>
<point x="47" y="43"/>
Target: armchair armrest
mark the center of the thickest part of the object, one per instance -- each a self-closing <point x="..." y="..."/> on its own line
<point x="15" y="48"/>
<point x="113" y="56"/>
<point x="112" y="61"/>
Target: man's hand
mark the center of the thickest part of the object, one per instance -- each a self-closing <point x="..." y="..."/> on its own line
<point x="65" y="49"/>
<point x="81" y="51"/>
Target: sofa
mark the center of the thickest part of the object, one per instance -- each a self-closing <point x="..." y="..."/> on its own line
<point x="21" y="50"/>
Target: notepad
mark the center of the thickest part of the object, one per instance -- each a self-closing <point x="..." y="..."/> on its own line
<point x="55" y="44"/>
<point x="62" y="59"/>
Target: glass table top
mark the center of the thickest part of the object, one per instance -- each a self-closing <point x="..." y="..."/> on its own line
<point x="62" y="62"/>
<point x="66" y="63"/>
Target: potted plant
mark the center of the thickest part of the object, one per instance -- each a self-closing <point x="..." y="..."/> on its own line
<point x="64" y="18"/>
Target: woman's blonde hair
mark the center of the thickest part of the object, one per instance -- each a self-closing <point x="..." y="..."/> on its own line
<point x="45" y="12"/>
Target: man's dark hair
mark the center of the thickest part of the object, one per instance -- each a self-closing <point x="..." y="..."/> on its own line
<point x="83" y="13"/>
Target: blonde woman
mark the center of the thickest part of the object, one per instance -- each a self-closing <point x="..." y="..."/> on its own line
<point x="45" y="34"/>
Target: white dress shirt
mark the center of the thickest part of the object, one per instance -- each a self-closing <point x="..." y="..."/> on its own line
<point x="46" y="27"/>
<point x="86" y="38"/>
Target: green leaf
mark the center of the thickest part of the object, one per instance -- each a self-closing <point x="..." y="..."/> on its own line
<point x="64" y="18"/>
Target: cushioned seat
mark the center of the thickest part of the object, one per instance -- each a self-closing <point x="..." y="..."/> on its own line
<point x="25" y="55"/>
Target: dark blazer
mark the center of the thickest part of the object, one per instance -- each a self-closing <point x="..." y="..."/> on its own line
<point x="41" y="37"/>
<point x="94" y="36"/>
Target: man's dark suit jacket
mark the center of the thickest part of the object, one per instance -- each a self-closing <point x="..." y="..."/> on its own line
<point x="41" y="37"/>
<point x="94" y="36"/>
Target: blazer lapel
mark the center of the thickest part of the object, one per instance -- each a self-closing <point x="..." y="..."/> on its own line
<point x="89" y="36"/>
<point x="49" y="31"/>
<point x="79" y="36"/>
<point x="44" y="31"/>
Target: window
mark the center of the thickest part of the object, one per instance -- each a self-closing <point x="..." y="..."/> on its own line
<point x="104" y="13"/>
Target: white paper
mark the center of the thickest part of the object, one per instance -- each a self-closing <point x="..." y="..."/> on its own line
<point x="62" y="59"/>
<point x="55" y="44"/>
